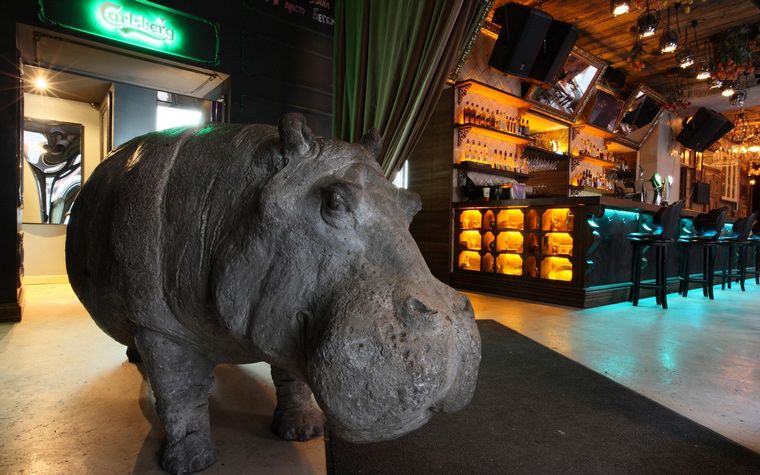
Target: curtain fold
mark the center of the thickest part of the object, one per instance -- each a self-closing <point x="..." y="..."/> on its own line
<point x="392" y="58"/>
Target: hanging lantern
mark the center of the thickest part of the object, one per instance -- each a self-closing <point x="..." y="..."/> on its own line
<point x="668" y="40"/>
<point x="727" y="89"/>
<point x="685" y="56"/>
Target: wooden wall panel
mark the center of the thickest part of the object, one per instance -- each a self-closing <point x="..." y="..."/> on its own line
<point x="430" y="176"/>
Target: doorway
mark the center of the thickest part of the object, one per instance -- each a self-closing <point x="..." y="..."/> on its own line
<point x="81" y="100"/>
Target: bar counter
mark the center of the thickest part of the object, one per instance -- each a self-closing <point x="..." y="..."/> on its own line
<point x="568" y="251"/>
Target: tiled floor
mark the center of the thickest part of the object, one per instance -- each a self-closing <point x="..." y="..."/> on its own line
<point x="71" y="404"/>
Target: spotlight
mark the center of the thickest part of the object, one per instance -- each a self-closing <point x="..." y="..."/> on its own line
<point x="715" y="83"/>
<point x="619" y="7"/>
<point x="41" y="83"/>
<point x="668" y="41"/>
<point x="685" y="57"/>
<point x="737" y="98"/>
<point x="704" y="70"/>
<point x="727" y="89"/>
<point x="647" y="23"/>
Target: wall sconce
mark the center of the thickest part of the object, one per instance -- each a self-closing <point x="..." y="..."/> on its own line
<point x="619" y="7"/>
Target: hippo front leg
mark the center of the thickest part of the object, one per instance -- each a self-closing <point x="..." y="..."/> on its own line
<point x="181" y="380"/>
<point x="295" y="417"/>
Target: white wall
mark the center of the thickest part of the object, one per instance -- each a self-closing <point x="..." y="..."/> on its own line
<point x="654" y="156"/>
<point x="44" y="243"/>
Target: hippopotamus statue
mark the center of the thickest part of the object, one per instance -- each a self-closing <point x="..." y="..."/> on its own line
<point x="232" y="243"/>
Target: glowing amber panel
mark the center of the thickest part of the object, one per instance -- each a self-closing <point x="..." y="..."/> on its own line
<point x="510" y="264"/>
<point x="558" y="244"/>
<point x="469" y="260"/>
<point x="469" y="240"/>
<point x="557" y="219"/>
<point x="557" y="268"/>
<point x="509" y="241"/>
<point x="510" y="219"/>
<point x="470" y="219"/>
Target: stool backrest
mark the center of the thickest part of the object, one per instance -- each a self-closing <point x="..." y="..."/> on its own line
<point x="711" y="223"/>
<point x="756" y="229"/>
<point x="666" y="219"/>
<point x="742" y="227"/>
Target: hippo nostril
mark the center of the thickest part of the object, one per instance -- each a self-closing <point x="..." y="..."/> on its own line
<point x="414" y="306"/>
<point x="467" y="307"/>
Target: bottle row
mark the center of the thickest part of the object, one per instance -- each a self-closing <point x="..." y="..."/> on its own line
<point x="551" y="219"/>
<point x="594" y="180"/>
<point x="553" y="268"/>
<point x="477" y="152"/>
<point x="473" y="115"/>
<point x="512" y="241"/>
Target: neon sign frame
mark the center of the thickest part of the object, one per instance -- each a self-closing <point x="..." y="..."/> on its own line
<point x="138" y="23"/>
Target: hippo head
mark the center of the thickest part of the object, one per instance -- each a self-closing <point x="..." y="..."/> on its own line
<point x="381" y="342"/>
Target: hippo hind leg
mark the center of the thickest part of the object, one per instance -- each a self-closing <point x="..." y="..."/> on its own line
<point x="181" y="380"/>
<point x="295" y="417"/>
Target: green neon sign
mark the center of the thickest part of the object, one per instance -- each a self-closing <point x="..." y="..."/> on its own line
<point x="139" y="23"/>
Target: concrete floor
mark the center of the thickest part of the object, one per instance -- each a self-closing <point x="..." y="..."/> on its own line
<point x="71" y="404"/>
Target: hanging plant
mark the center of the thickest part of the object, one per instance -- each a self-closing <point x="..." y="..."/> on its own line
<point x="677" y="96"/>
<point x="732" y="53"/>
<point x="634" y="59"/>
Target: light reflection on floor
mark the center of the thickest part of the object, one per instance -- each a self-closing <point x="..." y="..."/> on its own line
<point x="700" y="358"/>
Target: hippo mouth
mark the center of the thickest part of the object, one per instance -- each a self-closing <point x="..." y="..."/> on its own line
<point x="379" y="378"/>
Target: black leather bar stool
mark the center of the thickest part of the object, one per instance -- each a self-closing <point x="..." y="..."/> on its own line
<point x="665" y="221"/>
<point x="707" y="228"/>
<point x="754" y="243"/>
<point x="736" y="246"/>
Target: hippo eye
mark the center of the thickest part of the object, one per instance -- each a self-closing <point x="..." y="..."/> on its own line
<point x="337" y="204"/>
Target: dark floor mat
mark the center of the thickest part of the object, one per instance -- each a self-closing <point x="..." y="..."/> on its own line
<point x="538" y="412"/>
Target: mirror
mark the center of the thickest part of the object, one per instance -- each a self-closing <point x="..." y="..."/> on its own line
<point x="640" y="113"/>
<point x="53" y="153"/>
<point x="576" y="81"/>
<point x="604" y="110"/>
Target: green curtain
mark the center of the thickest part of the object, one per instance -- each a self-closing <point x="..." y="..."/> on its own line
<point x="392" y="58"/>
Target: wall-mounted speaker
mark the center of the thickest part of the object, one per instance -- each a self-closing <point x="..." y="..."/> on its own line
<point x="522" y="34"/>
<point x="701" y="193"/>
<point x="556" y="47"/>
<point x="703" y="129"/>
<point x="615" y="75"/>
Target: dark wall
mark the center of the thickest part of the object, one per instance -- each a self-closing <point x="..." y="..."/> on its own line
<point x="278" y="55"/>
<point x="134" y="112"/>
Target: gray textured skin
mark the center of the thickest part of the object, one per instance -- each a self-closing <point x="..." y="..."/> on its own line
<point x="237" y="244"/>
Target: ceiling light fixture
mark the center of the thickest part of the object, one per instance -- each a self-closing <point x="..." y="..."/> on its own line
<point x="647" y="22"/>
<point x="704" y="70"/>
<point x="669" y="38"/>
<point x="685" y="56"/>
<point x="727" y="89"/>
<point x="619" y="7"/>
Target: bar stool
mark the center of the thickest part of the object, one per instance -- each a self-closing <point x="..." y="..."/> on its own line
<point x="754" y="241"/>
<point x="665" y="221"/>
<point x="707" y="228"/>
<point x="734" y="245"/>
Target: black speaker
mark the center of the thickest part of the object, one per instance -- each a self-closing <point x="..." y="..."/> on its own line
<point x="522" y="35"/>
<point x="557" y="45"/>
<point x="703" y="129"/>
<point x="615" y="75"/>
<point x="701" y="193"/>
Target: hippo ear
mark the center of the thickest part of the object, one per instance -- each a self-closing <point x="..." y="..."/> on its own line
<point x="296" y="138"/>
<point x="372" y="142"/>
<point x="409" y="202"/>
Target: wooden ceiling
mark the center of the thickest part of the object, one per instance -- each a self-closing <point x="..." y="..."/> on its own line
<point x="611" y="38"/>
